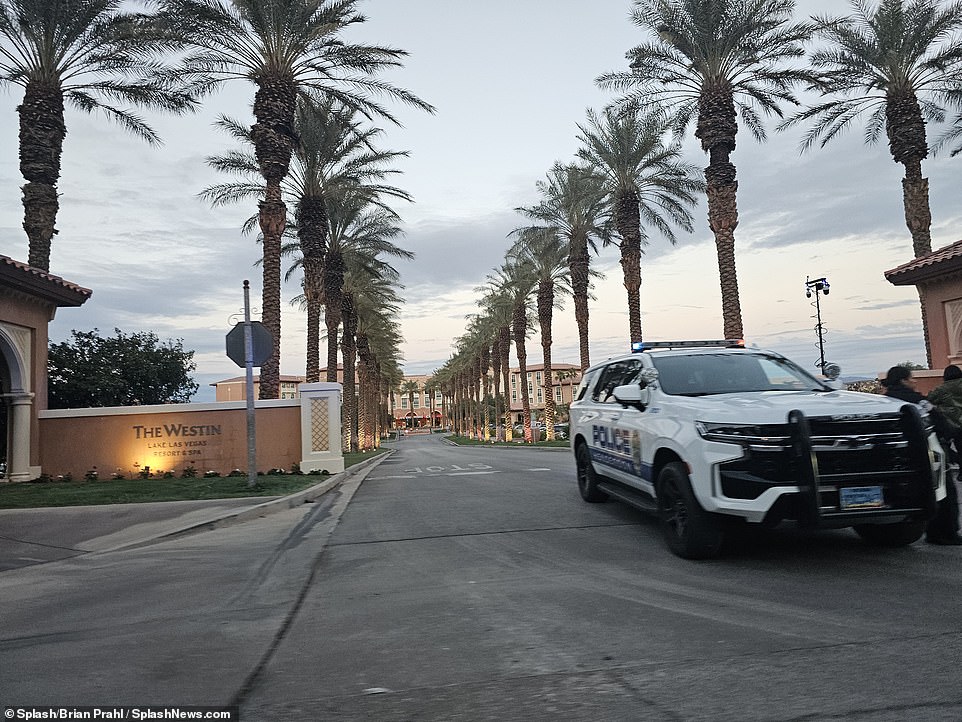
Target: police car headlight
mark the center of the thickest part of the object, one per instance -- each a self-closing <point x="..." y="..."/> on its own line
<point x="768" y="434"/>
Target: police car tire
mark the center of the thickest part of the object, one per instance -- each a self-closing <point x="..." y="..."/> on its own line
<point x="690" y="531"/>
<point x="891" y="535"/>
<point x="587" y="478"/>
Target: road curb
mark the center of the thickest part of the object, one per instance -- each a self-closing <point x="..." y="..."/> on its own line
<point x="258" y="510"/>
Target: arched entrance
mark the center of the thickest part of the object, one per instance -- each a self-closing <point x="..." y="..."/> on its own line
<point x="15" y="411"/>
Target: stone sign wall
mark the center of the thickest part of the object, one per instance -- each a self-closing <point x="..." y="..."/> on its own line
<point x="130" y="441"/>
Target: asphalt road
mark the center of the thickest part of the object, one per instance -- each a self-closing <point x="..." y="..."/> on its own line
<point x="474" y="584"/>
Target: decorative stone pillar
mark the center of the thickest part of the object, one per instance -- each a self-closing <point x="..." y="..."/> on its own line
<point x="321" y="428"/>
<point x="19" y="453"/>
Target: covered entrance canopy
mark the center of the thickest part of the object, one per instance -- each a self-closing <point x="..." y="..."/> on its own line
<point x="29" y="299"/>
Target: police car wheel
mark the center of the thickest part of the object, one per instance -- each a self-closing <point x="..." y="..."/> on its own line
<point x="587" y="478"/>
<point x="690" y="531"/>
<point x="891" y="535"/>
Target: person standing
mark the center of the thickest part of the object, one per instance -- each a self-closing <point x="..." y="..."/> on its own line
<point x="947" y="400"/>
<point x="899" y="384"/>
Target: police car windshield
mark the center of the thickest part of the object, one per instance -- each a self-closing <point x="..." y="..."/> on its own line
<point x="704" y="374"/>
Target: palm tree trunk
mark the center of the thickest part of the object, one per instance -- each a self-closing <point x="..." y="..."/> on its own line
<point x="274" y="104"/>
<point x="42" y="131"/>
<point x="628" y="222"/>
<point x="312" y="294"/>
<point x="312" y="237"/>
<point x="722" y="219"/>
<point x="333" y="290"/>
<point x="272" y="217"/>
<point x="504" y="336"/>
<point x="578" y="263"/>
<point x="545" y="309"/>
<point x="519" y="329"/>
<point x="498" y="400"/>
<point x="349" y="353"/>
<point x="717" y="127"/>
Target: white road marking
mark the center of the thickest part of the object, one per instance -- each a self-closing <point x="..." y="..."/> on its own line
<point x="537" y="469"/>
<point x="470" y="473"/>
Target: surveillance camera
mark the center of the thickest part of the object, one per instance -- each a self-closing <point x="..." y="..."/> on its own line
<point x="808" y="293"/>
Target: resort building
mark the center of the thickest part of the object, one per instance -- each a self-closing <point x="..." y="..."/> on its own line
<point x="235" y="388"/>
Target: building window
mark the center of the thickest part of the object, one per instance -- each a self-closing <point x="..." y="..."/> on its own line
<point x="557" y="394"/>
<point x="514" y="381"/>
<point x="514" y="397"/>
<point x="404" y="403"/>
<point x="540" y="397"/>
<point x="953" y="322"/>
<point x="537" y="377"/>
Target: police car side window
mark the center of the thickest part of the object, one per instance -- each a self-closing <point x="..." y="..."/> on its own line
<point x="613" y="376"/>
<point x="587" y="381"/>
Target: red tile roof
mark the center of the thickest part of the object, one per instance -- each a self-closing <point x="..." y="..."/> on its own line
<point x="27" y="279"/>
<point x="935" y="264"/>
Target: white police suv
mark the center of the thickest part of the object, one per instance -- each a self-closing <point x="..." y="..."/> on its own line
<point x="709" y="433"/>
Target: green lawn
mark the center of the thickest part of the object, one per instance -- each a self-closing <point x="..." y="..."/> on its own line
<point x="127" y="491"/>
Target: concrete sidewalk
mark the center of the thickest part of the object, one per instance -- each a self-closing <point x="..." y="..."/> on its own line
<point x="35" y="536"/>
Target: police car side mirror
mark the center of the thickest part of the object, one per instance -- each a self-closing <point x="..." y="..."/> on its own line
<point x="631" y="395"/>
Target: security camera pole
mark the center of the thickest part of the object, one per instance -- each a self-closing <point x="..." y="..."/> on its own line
<point x="816" y="286"/>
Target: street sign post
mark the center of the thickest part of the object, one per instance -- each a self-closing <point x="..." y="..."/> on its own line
<point x="249" y="344"/>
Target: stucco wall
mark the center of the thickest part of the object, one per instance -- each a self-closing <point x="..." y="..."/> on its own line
<point x="208" y="437"/>
<point x="935" y="294"/>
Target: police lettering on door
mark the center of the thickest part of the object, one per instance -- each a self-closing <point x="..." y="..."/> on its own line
<point x="617" y="448"/>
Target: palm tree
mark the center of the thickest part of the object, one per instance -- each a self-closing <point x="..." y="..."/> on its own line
<point x="335" y="157"/>
<point x="410" y="388"/>
<point x="88" y="54"/>
<point x="335" y="154"/>
<point x="900" y="62"/>
<point x="715" y="61"/>
<point x="286" y="48"/>
<point x="378" y="350"/>
<point x="516" y="280"/>
<point x="497" y="304"/>
<point x="547" y="259"/>
<point x="648" y="184"/>
<point x="368" y="293"/>
<point x="356" y="223"/>
<point x="574" y="203"/>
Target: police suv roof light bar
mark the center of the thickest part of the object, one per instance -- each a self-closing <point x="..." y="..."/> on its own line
<point x="639" y="346"/>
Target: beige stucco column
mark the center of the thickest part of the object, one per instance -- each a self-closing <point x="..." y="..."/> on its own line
<point x="321" y="428"/>
<point x="19" y="453"/>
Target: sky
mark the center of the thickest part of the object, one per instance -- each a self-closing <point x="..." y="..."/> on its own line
<point x="510" y="80"/>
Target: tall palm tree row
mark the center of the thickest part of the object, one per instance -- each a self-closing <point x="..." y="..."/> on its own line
<point x="715" y="62"/>
<point x="574" y="203"/>
<point x="336" y="165"/>
<point x="89" y="55"/>
<point x="286" y="48"/>
<point x="647" y="182"/>
<point x="370" y="294"/>
<point x="540" y="250"/>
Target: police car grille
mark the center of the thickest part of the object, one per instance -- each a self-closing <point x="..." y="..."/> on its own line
<point x="848" y="451"/>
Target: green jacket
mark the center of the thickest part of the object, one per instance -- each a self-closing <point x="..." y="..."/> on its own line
<point x="947" y="398"/>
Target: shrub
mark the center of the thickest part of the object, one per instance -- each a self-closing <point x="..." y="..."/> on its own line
<point x="189" y="472"/>
<point x="91" y="474"/>
<point x="211" y="474"/>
